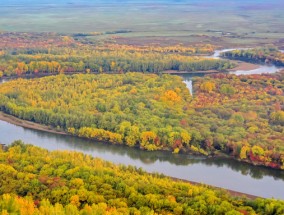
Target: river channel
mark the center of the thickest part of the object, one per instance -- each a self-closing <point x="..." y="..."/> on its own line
<point x="260" y="70"/>
<point x="219" y="172"/>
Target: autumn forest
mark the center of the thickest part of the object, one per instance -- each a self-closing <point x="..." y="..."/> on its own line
<point x="208" y="89"/>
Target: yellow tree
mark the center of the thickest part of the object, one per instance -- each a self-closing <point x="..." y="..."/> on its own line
<point x="207" y="86"/>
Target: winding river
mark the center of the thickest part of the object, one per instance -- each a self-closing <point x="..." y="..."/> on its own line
<point x="260" y="70"/>
<point x="220" y="172"/>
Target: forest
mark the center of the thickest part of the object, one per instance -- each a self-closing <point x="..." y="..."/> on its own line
<point x="268" y="55"/>
<point x="118" y="61"/>
<point x="36" y="181"/>
<point x="240" y="116"/>
<point x="32" y="55"/>
<point x="144" y="83"/>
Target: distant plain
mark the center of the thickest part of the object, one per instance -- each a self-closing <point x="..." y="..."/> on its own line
<point x="233" y="22"/>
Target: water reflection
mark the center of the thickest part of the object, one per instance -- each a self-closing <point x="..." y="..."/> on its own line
<point x="238" y="176"/>
<point x="245" y="168"/>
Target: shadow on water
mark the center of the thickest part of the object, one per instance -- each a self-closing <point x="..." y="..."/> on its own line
<point x="132" y="156"/>
<point x="256" y="172"/>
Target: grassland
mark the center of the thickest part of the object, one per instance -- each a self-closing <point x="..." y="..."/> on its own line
<point x="217" y="22"/>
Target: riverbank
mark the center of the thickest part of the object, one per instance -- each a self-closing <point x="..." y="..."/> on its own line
<point x="244" y="66"/>
<point x="35" y="126"/>
<point x="231" y="192"/>
<point x="27" y="124"/>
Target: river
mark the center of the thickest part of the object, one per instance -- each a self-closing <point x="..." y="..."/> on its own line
<point x="262" y="69"/>
<point x="219" y="172"/>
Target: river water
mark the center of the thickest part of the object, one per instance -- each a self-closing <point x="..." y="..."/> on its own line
<point x="262" y="69"/>
<point x="220" y="172"/>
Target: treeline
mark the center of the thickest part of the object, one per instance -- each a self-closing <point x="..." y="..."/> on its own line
<point x="241" y="116"/>
<point x="49" y="53"/>
<point x="268" y="55"/>
<point x="20" y="42"/>
<point x="104" y="61"/>
<point x="35" y="181"/>
<point x="205" y="49"/>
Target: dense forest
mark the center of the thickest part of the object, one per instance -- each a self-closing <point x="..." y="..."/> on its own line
<point x="36" y="181"/>
<point x="268" y="55"/>
<point x="241" y="116"/>
<point x="33" y="55"/>
<point x="97" y="61"/>
<point x="143" y="84"/>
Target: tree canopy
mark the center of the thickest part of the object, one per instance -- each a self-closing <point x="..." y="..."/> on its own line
<point x="269" y="55"/>
<point x="36" y="181"/>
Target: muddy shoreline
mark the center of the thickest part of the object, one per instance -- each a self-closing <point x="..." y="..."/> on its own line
<point x="244" y="66"/>
<point x="231" y="192"/>
<point x="27" y="124"/>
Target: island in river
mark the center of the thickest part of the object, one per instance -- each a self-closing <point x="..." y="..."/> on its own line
<point x="158" y="113"/>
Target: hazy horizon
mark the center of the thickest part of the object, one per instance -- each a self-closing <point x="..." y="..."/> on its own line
<point x="136" y="15"/>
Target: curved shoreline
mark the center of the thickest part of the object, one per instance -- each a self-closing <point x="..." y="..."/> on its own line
<point x="27" y="124"/>
<point x="35" y="126"/>
<point x="231" y="192"/>
<point x="31" y="125"/>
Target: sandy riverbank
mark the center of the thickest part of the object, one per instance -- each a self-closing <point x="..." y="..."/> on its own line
<point x="244" y="66"/>
<point x="27" y="124"/>
<point x="231" y="192"/>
